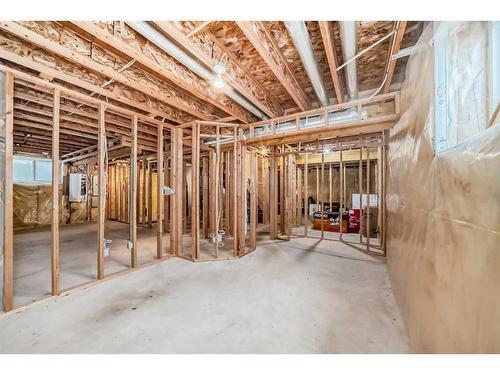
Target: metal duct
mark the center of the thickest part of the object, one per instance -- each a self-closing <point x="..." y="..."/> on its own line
<point x="169" y="47"/>
<point x="300" y="37"/>
<point x="348" y="36"/>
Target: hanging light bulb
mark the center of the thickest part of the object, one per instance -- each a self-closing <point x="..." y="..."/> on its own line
<point x="220" y="69"/>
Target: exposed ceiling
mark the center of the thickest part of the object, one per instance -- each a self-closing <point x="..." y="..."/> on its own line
<point x="112" y="61"/>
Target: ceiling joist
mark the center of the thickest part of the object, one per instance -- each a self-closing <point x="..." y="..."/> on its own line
<point x="164" y="66"/>
<point x="266" y="46"/>
<point x="331" y="54"/>
<point x="206" y="48"/>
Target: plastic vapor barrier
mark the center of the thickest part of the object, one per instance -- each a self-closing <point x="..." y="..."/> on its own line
<point x="443" y="240"/>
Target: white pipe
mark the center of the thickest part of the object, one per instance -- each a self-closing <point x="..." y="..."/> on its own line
<point x="165" y="44"/>
<point x="300" y="37"/>
<point x="348" y="36"/>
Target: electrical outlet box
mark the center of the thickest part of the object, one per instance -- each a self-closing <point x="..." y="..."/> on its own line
<point x="217" y="238"/>
<point x="105" y="249"/>
<point x="166" y="190"/>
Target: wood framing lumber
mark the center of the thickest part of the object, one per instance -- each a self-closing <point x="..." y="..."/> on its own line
<point x="238" y="76"/>
<point x="8" y="211"/>
<point x="133" y="195"/>
<point x="264" y="43"/>
<point x="39" y="67"/>
<point x="85" y="61"/>
<point x="394" y="48"/>
<point x="331" y="55"/>
<point x="165" y="68"/>
<point x="159" y="196"/>
<point x="195" y="192"/>
<point x="101" y="180"/>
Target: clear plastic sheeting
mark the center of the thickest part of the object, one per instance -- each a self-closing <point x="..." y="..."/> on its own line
<point x="443" y="216"/>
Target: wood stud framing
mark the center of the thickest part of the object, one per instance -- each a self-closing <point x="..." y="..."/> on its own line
<point x="101" y="167"/>
<point x="8" y="247"/>
<point x="133" y="195"/>
<point x="219" y="175"/>
<point x="55" y="262"/>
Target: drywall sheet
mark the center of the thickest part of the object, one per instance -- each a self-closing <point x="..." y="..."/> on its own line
<point x="443" y="238"/>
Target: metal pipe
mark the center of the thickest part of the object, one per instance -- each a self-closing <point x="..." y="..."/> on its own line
<point x="302" y="41"/>
<point x="168" y="46"/>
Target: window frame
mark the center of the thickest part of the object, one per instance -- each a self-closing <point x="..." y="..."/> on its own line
<point x="34" y="161"/>
<point x="441" y="48"/>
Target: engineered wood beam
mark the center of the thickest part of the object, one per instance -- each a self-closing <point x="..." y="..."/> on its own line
<point x="239" y="79"/>
<point x="325" y="28"/>
<point x="166" y="70"/>
<point x="265" y="44"/>
<point x="394" y="48"/>
<point x="81" y="97"/>
<point x="68" y="79"/>
<point x="102" y="69"/>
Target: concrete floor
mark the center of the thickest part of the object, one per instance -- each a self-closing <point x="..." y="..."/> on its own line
<point x="78" y="242"/>
<point x="302" y="296"/>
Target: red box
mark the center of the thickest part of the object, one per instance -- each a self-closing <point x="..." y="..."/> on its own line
<point x="353" y="225"/>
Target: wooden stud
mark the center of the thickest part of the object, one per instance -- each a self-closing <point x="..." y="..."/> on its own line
<point x="133" y="194"/>
<point x="177" y="181"/>
<point x="205" y="194"/>
<point x="360" y="171"/>
<point x="367" y="199"/>
<point x="331" y="55"/>
<point x="101" y="167"/>
<point x="234" y="191"/>
<point x="144" y="206"/>
<point x="195" y="192"/>
<point x="322" y="193"/>
<point x="330" y="186"/>
<point x="306" y="198"/>
<point x="55" y="262"/>
<point x="341" y="188"/>
<point x="150" y="195"/>
<point x="159" y="196"/>
<point x="282" y="199"/>
<point x="253" y="200"/>
<point x="265" y="190"/>
<point x="242" y="199"/>
<point x="8" y="247"/>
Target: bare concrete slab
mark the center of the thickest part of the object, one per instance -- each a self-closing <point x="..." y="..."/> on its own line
<point x="303" y="296"/>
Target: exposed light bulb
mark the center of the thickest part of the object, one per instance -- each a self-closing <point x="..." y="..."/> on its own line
<point x="219" y="82"/>
<point x="220" y="68"/>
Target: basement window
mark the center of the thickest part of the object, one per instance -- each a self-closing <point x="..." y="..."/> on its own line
<point x="30" y="170"/>
<point x="467" y="83"/>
